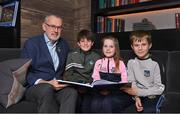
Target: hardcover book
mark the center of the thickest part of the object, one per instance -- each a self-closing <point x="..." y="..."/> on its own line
<point x="98" y="84"/>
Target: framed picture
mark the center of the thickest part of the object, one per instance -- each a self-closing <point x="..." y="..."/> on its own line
<point x="9" y="14"/>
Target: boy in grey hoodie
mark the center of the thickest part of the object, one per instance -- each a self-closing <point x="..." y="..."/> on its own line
<point x="144" y="73"/>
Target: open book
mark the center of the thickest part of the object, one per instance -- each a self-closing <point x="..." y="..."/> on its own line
<point x="98" y="84"/>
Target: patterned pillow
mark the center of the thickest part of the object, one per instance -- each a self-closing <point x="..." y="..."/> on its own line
<point x="12" y="79"/>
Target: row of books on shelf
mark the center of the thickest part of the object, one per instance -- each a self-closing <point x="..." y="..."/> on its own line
<point x="105" y="24"/>
<point x="115" y="3"/>
<point x="8" y="14"/>
<point x="177" y="20"/>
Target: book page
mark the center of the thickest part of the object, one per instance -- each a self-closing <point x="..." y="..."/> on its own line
<point x="103" y="82"/>
<point x="97" y="84"/>
<point x="74" y="83"/>
<point x="109" y="84"/>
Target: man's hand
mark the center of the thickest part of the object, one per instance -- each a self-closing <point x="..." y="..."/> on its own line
<point x="57" y="85"/>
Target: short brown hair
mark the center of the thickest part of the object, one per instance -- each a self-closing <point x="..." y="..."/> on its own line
<point x="85" y="34"/>
<point x="138" y="35"/>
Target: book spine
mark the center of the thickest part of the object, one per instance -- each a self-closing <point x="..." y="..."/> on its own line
<point x="177" y="20"/>
<point x="101" y="4"/>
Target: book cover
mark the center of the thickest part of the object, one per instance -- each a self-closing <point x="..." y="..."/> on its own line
<point x="98" y="84"/>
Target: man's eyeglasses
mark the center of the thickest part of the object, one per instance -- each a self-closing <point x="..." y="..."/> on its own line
<point x="54" y="27"/>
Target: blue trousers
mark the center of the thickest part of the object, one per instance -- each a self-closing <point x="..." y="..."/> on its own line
<point x="152" y="105"/>
<point x="120" y="101"/>
<point x="114" y="102"/>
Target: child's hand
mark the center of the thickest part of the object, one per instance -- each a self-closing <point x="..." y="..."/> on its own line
<point x="138" y="104"/>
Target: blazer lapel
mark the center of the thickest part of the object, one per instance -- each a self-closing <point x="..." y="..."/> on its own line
<point x="58" y="50"/>
<point x="46" y="50"/>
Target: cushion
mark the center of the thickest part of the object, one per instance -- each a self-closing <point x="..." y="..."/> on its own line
<point x="12" y="78"/>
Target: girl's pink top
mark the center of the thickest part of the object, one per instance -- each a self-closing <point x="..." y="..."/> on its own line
<point x="108" y="65"/>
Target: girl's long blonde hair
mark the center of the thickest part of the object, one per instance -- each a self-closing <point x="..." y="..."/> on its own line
<point x="116" y="56"/>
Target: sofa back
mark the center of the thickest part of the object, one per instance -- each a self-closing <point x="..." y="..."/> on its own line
<point x="172" y="96"/>
<point x="173" y="72"/>
<point x="9" y="53"/>
<point x="160" y="56"/>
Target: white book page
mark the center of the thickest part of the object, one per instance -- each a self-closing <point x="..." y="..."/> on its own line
<point x="103" y="82"/>
<point x="74" y="83"/>
<point x="95" y="83"/>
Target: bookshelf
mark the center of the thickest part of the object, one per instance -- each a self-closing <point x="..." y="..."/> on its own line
<point x="160" y="14"/>
<point x="10" y="24"/>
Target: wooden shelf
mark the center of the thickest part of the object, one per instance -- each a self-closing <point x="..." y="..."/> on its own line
<point x="164" y="39"/>
<point x="167" y="39"/>
<point x="139" y="7"/>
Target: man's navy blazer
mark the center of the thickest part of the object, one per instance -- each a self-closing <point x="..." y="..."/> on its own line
<point x="42" y="65"/>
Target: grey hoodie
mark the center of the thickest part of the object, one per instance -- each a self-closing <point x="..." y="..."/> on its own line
<point x="145" y="76"/>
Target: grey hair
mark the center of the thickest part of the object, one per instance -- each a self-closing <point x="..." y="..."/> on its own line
<point x="46" y="18"/>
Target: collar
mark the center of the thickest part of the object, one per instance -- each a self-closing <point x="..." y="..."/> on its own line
<point x="110" y="58"/>
<point x="84" y="52"/>
<point x="145" y="58"/>
<point x="48" y="42"/>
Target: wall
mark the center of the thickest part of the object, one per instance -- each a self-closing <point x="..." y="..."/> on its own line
<point x="75" y="13"/>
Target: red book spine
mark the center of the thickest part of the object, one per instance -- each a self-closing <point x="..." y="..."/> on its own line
<point x="177" y="19"/>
